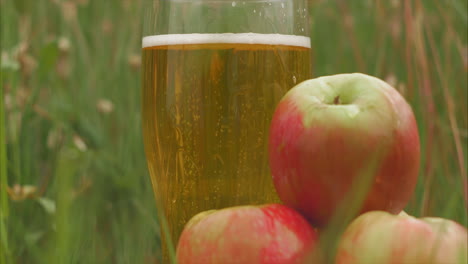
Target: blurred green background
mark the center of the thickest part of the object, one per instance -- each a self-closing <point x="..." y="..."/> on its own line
<point x="74" y="186"/>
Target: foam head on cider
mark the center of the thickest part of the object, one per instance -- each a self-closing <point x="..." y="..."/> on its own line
<point x="228" y="38"/>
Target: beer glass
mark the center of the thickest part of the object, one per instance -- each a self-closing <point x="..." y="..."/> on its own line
<point x="213" y="72"/>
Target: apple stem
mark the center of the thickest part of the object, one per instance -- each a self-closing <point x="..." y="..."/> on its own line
<point x="337" y="100"/>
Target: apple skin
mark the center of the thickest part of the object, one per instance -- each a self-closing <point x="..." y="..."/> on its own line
<point x="380" y="237"/>
<point x="326" y="132"/>
<point x="268" y="234"/>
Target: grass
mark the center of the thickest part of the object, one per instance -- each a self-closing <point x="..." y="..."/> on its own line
<point x="74" y="186"/>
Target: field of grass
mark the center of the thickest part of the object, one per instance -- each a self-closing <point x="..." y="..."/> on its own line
<point x="74" y="186"/>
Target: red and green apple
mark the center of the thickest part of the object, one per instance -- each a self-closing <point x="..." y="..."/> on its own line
<point x="327" y="131"/>
<point x="269" y="234"/>
<point x="380" y="237"/>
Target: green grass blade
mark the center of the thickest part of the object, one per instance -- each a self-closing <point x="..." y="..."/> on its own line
<point x="4" y="249"/>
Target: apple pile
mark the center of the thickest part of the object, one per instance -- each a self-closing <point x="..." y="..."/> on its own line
<point x="330" y="136"/>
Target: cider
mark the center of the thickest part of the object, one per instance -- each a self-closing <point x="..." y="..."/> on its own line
<point x="207" y="104"/>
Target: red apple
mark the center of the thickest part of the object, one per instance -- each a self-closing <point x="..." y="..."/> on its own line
<point x="327" y="131"/>
<point x="380" y="237"/>
<point x="269" y="234"/>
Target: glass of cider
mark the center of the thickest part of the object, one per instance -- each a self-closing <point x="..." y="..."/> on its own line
<point x="213" y="72"/>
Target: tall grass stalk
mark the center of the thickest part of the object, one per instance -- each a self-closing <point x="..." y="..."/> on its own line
<point x="346" y="211"/>
<point x="4" y="249"/>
